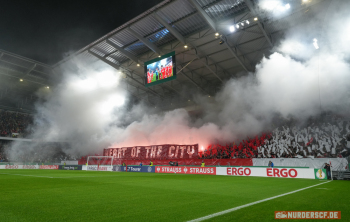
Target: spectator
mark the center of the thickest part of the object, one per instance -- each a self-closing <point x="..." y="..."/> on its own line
<point x="328" y="170"/>
<point x="13" y="124"/>
<point x="316" y="140"/>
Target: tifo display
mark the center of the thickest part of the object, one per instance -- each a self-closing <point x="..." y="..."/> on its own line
<point x="167" y="151"/>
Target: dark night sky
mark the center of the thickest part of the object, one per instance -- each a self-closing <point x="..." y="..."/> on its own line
<point x="47" y="30"/>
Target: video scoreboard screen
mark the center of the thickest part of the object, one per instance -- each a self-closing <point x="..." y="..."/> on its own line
<point x="160" y="70"/>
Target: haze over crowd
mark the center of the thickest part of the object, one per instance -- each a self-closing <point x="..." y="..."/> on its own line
<point x="90" y="109"/>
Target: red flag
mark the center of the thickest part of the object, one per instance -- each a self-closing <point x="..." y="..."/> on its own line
<point x="310" y="141"/>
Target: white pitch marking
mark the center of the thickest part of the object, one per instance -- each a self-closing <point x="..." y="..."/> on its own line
<point x="250" y="204"/>
<point x="84" y="176"/>
<point x="25" y="175"/>
<point x="322" y="188"/>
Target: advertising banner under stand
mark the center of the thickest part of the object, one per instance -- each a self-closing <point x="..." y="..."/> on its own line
<point x="48" y="167"/>
<point x="306" y="173"/>
<point x="143" y="169"/>
<point x="70" y="167"/>
<point x="45" y="167"/>
<point x="98" y="168"/>
<point x="13" y="167"/>
<point x="320" y="174"/>
<point x="117" y="168"/>
<point x="186" y="170"/>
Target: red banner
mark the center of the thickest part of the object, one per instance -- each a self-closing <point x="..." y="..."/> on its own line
<point x="186" y="170"/>
<point x="208" y="162"/>
<point x="49" y="167"/>
<point x="168" y="151"/>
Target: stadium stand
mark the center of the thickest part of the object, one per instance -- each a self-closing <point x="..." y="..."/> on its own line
<point x="13" y="124"/>
<point x="329" y="139"/>
<point x="2" y="152"/>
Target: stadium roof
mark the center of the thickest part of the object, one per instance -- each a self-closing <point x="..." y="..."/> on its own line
<point x="20" y="78"/>
<point x="205" y="64"/>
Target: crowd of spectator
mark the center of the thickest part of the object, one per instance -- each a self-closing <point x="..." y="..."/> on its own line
<point x="43" y="153"/>
<point x="329" y="139"/>
<point x="2" y="152"/>
<point x="13" y="124"/>
<point x="33" y="152"/>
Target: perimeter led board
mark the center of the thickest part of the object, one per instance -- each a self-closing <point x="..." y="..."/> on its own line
<point x="160" y="70"/>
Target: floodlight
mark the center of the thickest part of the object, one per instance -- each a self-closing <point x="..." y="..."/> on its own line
<point x="47" y="87"/>
<point x="315" y="44"/>
<point x="237" y="26"/>
<point x="21" y="80"/>
<point x="138" y="64"/>
<point x="287" y="6"/>
<point x="185" y="46"/>
<point x="217" y="34"/>
<point x="256" y="19"/>
<point x="242" y="24"/>
<point x="232" y="28"/>
<point x="247" y="22"/>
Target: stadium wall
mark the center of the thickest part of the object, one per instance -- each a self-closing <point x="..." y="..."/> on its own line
<point x="144" y="169"/>
<point x="339" y="164"/>
<point x="302" y="173"/>
<point x="70" y="167"/>
<point x="43" y="167"/>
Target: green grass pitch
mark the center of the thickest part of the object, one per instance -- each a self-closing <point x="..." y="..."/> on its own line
<point x="55" y="195"/>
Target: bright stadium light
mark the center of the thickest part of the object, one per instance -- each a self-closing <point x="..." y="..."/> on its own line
<point x="47" y="87"/>
<point x="256" y="19"/>
<point x="247" y="22"/>
<point x="237" y="26"/>
<point x="21" y="80"/>
<point x="185" y="46"/>
<point x="232" y="28"/>
<point x="138" y="64"/>
<point x="217" y="34"/>
<point x="242" y="24"/>
<point x="270" y="5"/>
<point x="274" y="5"/>
<point x="316" y="44"/>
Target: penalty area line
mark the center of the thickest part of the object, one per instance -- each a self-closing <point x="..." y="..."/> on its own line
<point x="250" y="204"/>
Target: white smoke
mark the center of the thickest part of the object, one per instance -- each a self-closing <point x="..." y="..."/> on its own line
<point x="88" y="108"/>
